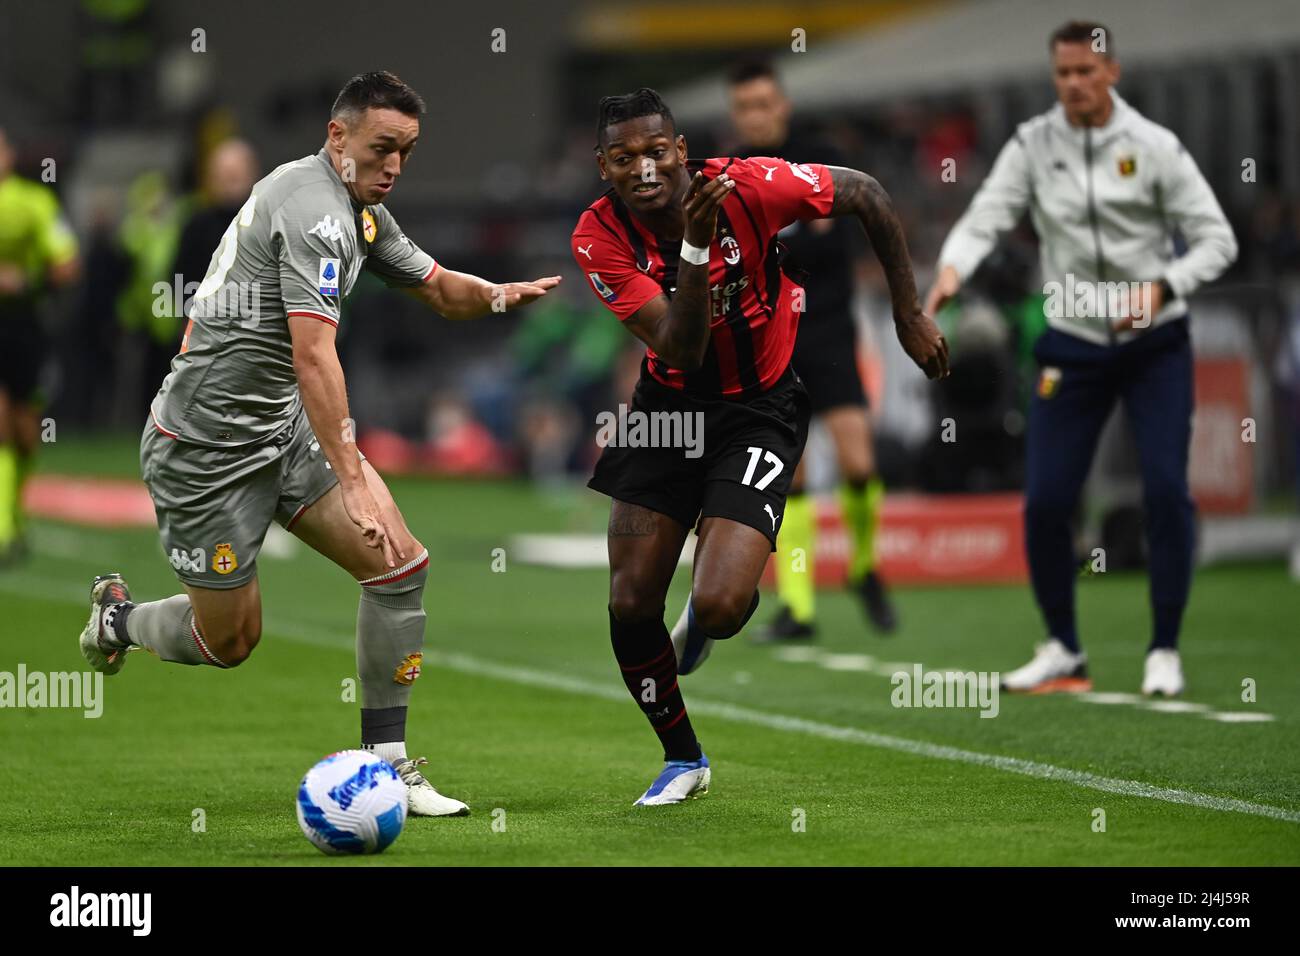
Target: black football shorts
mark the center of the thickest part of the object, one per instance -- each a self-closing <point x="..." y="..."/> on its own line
<point x="738" y="464"/>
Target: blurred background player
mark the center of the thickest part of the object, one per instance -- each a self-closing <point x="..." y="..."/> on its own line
<point x="38" y="252"/>
<point x="684" y="257"/>
<point x="822" y="252"/>
<point x="1106" y="189"/>
<point x="229" y="173"/>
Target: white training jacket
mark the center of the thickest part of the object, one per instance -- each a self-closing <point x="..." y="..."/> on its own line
<point x="1105" y="202"/>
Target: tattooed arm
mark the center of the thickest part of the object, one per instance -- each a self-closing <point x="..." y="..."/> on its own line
<point x="678" y="331"/>
<point x="857" y="194"/>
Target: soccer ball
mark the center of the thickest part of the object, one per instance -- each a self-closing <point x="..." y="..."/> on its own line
<point x="352" y="802"/>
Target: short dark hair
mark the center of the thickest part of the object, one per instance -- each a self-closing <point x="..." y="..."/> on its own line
<point x="628" y="106"/>
<point x="376" y="90"/>
<point x="746" y="70"/>
<point x="1083" y="31"/>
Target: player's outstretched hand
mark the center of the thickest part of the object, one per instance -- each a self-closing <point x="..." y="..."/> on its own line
<point x="924" y="344"/>
<point x="701" y="203"/>
<point x="364" y="511"/>
<point x="514" y="294"/>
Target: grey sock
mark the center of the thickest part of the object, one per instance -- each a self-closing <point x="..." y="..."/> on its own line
<point x="390" y="635"/>
<point x="167" y="628"/>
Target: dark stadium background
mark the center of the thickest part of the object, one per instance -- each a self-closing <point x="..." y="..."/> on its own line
<point x="113" y="92"/>
<point x="486" y="430"/>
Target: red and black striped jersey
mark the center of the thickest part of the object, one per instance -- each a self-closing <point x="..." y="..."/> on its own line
<point x="755" y="308"/>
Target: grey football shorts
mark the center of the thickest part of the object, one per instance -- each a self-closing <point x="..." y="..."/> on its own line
<point x="214" y="505"/>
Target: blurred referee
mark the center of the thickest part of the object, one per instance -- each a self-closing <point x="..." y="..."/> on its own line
<point x="1106" y="189"/>
<point x="826" y="358"/>
<point x="37" y="252"/>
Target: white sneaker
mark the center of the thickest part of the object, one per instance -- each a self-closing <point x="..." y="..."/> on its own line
<point x="1054" y="669"/>
<point x="1163" y="673"/>
<point x="423" y="800"/>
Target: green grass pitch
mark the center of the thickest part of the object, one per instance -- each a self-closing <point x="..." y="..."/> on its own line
<point x="522" y="714"/>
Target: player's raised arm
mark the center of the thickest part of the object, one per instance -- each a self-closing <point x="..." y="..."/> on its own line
<point x="858" y="194"/>
<point x="678" y="331"/>
<point x="458" y="295"/>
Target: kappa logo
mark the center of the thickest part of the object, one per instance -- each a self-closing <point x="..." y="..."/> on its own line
<point x="327" y="228"/>
<point x="409" y="669"/>
<point x="194" y="560"/>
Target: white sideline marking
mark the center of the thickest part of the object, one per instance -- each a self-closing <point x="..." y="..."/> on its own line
<point x="573" y="550"/>
<point x="1241" y="717"/>
<point x="31" y="586"/>
<point x="1027" y="768"/>
<point x="798" y="655"/>
<point x="848" y="662"/>
<point x="865" y="663"/>
<point x="1109" y="697"/>
<point x="1176" y="707"/>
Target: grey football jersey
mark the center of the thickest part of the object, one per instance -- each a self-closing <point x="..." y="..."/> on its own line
<point x="294" y="249"/>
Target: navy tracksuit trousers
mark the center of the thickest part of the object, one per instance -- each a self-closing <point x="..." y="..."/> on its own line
<point x="1078" y="385"/>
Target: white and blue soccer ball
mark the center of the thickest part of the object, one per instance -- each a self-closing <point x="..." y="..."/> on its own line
<point x="352" y="802"/>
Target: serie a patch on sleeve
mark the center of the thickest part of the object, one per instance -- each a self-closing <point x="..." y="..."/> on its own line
<point x="604" y="291"/>
<point x="328" y="281"/>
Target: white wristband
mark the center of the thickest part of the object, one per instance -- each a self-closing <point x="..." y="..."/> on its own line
<point x="695" y="255"/>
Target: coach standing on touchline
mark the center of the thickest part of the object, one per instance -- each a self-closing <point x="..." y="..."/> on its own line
<point x="1105" y="188"/>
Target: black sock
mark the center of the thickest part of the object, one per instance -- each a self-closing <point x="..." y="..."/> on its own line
<point x="119" y="623"/>
<point x="645" y="653"/>
<point x="382" y="725"/>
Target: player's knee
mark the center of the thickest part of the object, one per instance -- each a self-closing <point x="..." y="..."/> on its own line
<point x="720" y="611"/>
<point x="234" y="644"/>
<point x="630" y="600"/>
<point x="403" y="586"/>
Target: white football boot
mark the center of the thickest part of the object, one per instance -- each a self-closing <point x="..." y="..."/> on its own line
<point x="1163" y="673"/>
<point x="1054" y="669"/>
<point x="679" y="781"/>
<point x="99" y="645"/>
<point x="422" y="799"/>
